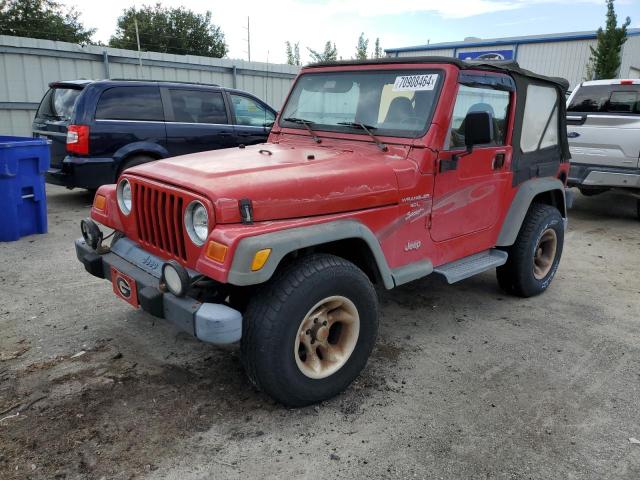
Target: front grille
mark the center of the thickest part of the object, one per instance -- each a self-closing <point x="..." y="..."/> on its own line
<point x="159" y="220"/>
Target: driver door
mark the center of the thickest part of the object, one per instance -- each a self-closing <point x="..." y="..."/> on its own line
<point x="468" y="188"/>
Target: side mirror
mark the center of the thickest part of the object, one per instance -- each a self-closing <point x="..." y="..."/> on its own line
<point x="478" y="129"/>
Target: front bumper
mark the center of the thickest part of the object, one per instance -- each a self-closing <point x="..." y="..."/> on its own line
<point x="601" y="176"/>
<point x="209" y="322"/>
<point x="78" y="172"/>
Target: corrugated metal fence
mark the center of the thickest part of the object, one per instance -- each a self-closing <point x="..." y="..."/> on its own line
<point x="27" y="65"/>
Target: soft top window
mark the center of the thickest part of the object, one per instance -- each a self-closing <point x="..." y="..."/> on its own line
<point x="540" y="121"/>
<point x="395" y="103"/>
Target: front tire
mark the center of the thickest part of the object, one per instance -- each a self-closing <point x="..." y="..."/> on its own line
<point x="534" y="257"/>
<point x="308" y="332"/>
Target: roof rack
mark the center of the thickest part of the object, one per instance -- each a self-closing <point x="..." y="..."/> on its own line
<point x="162" y="81"/>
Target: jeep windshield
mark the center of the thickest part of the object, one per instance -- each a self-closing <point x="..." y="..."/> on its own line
<point x="393" y="103"/>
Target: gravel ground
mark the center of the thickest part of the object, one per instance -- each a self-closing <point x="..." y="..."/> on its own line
<point x="465" y="381"/>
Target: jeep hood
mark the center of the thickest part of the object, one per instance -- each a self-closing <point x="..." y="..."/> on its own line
<point x="282" y="181"/>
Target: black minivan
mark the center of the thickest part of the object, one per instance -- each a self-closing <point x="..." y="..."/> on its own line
<point x="99" y="128"/>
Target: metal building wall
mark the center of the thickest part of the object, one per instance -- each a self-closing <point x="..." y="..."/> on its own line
<point x="444" y="52"/>
<point x="559" y="55"/>
<point x="630" y="66"/>
<point x="28" y="65"/>
<point x="558" y="59"/>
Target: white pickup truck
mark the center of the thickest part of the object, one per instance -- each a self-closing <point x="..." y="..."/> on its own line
<point x="603" y="126"/>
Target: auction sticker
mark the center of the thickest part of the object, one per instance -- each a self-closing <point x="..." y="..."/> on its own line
<point x="411" y="83"/>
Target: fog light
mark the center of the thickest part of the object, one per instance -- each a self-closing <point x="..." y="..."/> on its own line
<point x="91" y="233"/>
<point x="175" y="278"/>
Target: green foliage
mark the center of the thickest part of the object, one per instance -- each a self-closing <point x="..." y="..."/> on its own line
<point x="293" y="53"/>
<point x="377" y="50"/>
<point x="330" y="53"/>
<point x="361" y="47"/>
<point x="170" y="30"/>
<point x="42" y="19"/>
<point x="605" y="58"/>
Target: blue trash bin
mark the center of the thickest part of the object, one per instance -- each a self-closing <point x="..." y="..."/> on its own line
<point x="23" y="200"/>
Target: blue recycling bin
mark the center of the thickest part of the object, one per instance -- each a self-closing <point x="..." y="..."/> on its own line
<point x="23" y="200"/>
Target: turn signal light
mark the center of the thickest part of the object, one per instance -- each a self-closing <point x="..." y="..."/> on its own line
<point x="259" y="259"/>
<point x="100" y="202"/>
<point x="217" y="251"/>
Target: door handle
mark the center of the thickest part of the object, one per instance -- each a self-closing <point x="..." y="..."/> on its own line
<point x="573" y="135"/>
<point x="498" y="161"/>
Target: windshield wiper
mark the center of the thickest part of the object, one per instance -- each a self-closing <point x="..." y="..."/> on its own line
<point x="366" y="128"/>
<point x="306" y="123"/>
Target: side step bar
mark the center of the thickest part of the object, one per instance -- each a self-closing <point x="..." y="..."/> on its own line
<point x="469" y="266"/>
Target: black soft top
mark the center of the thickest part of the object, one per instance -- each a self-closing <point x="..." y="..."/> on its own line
<point x="507" y="66"/>
<point x="525" y="165"/>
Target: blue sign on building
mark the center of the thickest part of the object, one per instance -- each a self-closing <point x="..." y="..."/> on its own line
<point x="487" y="55"/>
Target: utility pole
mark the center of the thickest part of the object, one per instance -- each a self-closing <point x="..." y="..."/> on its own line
<point x="135" y="23"/>
<point x="248" y="41"/>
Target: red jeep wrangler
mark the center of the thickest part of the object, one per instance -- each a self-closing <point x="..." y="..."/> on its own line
<point x="375" y="172"/>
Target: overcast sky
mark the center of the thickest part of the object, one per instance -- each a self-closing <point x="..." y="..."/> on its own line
<point x="398" y="23"/>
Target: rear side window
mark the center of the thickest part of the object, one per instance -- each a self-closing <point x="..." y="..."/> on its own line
<point x="198" y="106"/>
<point x="540" y="123"/>
<point x="130" y="103"/>
<point x="250" y="112"/>
<point x="606" y="99"/>
<point x="59" y="103"/>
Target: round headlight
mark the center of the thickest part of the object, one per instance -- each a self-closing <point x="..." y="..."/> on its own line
<point x="175" y="278"/>
<point x="196" y="221"/>
<point x="125" y="197"/>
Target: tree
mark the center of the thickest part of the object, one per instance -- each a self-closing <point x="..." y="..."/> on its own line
<point x="330" y="53"/>
<point x="605" y="58"/>
<point x="361" y="48"/>
<point x="293" y="53"/>
<point x="42" y="19"/>
<point x="377" y="50"/>
<point x="170" y="30"/>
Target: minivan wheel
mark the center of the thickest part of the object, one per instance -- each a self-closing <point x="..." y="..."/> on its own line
<point x="308" y="332"/>
<point x="534" y="257"/>
<point x="134" y="161"/>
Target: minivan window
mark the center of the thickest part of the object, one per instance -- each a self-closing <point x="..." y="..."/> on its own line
<point x="606" y="99"/>
<point x="250" y="112"/>
<point x="58" y="103"/>
<point x="198" y="106"/>
<point x="130" y="103"/>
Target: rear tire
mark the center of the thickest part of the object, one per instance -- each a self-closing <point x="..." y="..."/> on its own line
<point x="308" y="332"/>
<point x="133" y="162"/>
<point x="534" y="257"/>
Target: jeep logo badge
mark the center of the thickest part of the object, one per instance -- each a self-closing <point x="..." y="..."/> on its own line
<point x="123" y="287"/>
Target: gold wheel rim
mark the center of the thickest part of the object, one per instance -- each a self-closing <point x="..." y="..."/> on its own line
<point x="327" y="336"/>
<point x="545" y="254"/>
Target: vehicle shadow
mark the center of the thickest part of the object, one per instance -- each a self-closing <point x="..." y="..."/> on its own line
<point x="610" y="205"/>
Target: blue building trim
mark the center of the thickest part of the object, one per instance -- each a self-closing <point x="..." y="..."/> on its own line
<point x="515" y="41"/>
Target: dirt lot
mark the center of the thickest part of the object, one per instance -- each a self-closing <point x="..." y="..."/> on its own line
<point x="465" y="381"/>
